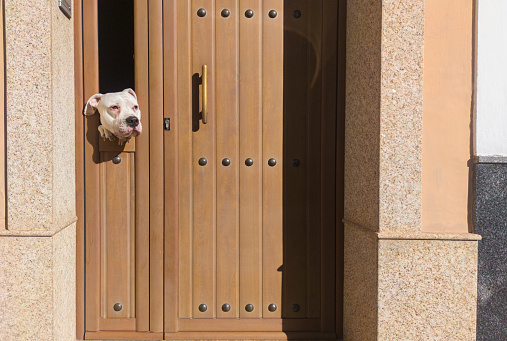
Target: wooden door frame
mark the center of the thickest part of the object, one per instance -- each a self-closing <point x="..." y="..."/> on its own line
<point x="171" y="263"/>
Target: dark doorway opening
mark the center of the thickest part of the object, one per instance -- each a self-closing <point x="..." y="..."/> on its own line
<point x="116" y="45"/>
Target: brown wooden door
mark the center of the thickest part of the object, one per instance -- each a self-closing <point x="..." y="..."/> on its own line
<point x="227" y="192"/>
<point x="123" y="206"/>
<point x="251" y="192"/>
<point x="227" y="229"/>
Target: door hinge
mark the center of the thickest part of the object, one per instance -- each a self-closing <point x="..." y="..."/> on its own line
<point x="167" y="123"/>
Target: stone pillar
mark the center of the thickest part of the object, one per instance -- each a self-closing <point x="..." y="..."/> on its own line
<point x="400" y="282"/>
<point x="37" y="248"/>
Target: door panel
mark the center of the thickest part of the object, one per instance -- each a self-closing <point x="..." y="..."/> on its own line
<point x="123" y="264"/>
<point x="168" y="232"/>
<point x="221" y="206"/>
<point x="117" y="235"/>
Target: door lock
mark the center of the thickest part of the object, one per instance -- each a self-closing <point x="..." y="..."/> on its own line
<point x="167" y="123"/>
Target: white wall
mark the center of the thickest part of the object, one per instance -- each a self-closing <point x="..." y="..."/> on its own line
<point x="491" y="124"/>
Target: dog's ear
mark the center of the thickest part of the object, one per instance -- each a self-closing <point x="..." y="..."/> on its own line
<point x="91" y="106"/>
<point x="130" y="91"/>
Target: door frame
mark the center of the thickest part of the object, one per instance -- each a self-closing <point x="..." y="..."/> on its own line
<point x="171" y="261"/>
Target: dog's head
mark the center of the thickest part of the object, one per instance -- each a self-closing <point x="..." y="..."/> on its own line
<point x="119" y="112"/>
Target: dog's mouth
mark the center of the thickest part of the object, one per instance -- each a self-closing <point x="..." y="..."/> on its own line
<point x="129" y="131"/>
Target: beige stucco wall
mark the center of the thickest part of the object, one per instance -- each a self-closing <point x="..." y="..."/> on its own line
<point x="37" y="249"/>
<point x="447" y="115"/>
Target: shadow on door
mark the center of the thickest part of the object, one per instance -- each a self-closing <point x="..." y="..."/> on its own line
<point x="310" y="188"/>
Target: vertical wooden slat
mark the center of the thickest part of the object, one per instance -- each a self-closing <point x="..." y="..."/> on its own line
<point x="142" y="168"/>
<point x="272" y="128"/>
<point x="117" y="226"/>
<point x="92" y="187"/>
<point x="295" y="198"/>
<point x="103" y="248"/>
<point x="204" y="255"/>
<point x="313" y="166"/>
<point x="250" y="101"/>
<point x="227" y="118"/>
<point x="171" y="166"/>
<point x="132" y="234"/>
<point x="340" y="160"/>
<point x="80" y="203"/>
<point x="328" y="180"/>
<point x="185" y="159"/>
<point x="156" y="100"/>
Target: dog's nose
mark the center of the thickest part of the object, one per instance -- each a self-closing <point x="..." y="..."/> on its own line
<point x="132" y="121"/>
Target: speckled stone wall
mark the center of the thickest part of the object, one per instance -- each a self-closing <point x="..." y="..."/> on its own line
<point x="427" y="289"/>
<point x="401" y="115"/>
<point x="362" y="120"/>
<point x="360" y="285"/>
<point x="37" y="249"/>
<point x="491" y="223"/>
<point x="62" y="87"/>
<point x="26" y="288"/>
<point x="399" y="283"/>
<point x="28" y="115"/>
<point x="383" y="144"/>
<point x="37" y="291"/>
<point x="409" y="286"/>
<point x="39" y="117"/>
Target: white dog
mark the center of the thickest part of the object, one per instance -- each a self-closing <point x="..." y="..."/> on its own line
<point x="119" y="114"/>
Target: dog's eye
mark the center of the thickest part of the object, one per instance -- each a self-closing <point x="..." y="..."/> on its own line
<point x="135" y="107"/>
<point x="115" y="107"/>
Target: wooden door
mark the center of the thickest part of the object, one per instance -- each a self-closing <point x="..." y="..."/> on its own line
<point x="252" y="191"/>
<point x="223" y="229"/>
<point x="123" y="197"/>
<point x="227" y="192"/>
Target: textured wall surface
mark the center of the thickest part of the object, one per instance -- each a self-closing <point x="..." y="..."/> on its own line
<point x="399" y="283"/>
<point x="362" y="121"/>
<point x="62" y="87"/>
<point x="37" y="291"/>
<point x="491" y="224"/>
<point x="383" y="121"/>
<point x="427" y="289"/>
<point x="64" y="284"/>
<point x="401" y="115"/>
<point x="360" y="284"/>
<point x="398" y="288"/>
<point x="37" y="250"/>
<point x="26" y="308"/>
<point x="39" y="117"/>
<point x="28" y="115"/>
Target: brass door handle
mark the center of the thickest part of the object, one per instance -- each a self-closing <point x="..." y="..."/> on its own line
<point x="204" y="94"/>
